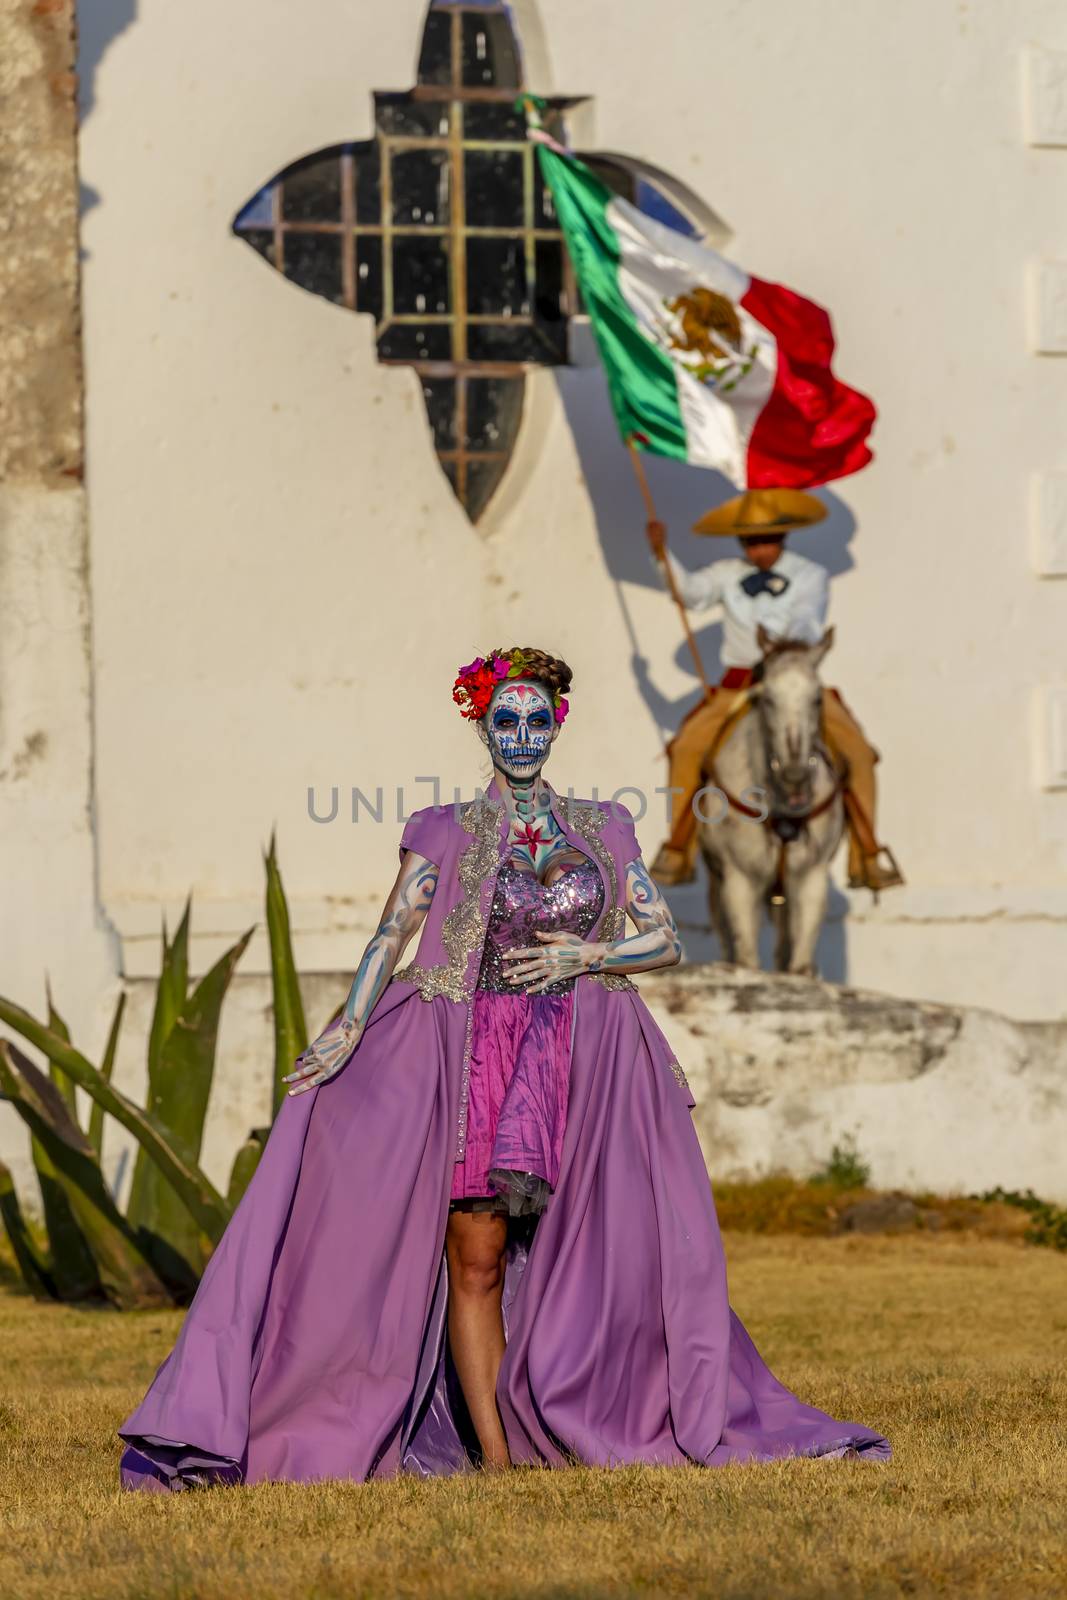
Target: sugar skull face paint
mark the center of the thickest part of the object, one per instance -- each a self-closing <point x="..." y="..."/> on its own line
<point x="519" y="728"/>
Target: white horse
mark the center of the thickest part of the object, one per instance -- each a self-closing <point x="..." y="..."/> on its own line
<point x="781" y="815"/>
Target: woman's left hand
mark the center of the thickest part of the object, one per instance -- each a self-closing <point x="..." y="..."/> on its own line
<point x="557" y="955"/>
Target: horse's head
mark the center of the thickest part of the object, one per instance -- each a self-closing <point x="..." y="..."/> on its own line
<point x="789" y="702"/>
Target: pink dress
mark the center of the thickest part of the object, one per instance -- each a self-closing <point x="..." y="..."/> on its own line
<point x="521" y="1045"/>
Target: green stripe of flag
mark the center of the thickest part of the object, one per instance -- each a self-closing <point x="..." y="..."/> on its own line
<point x="641" y="377"/>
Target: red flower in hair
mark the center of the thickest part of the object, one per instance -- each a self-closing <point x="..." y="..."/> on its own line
<point x="473" y="689"/>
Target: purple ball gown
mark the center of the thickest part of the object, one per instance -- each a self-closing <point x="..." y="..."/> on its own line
<point x="315" y="1347"/>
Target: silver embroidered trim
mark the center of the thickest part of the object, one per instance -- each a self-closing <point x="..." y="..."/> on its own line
<point x="463" y="932"/>
<point x="588" y="820"/>
<point x="463" y="929"/>
<point x="680" y="1077"/>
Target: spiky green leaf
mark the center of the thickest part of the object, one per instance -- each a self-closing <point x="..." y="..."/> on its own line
<point x="179" y="1090"/>
<point x="171" y="989"/>
<point x="30" y="1259"/>
<point x="203" y="1201"/>
<point x="60" y="1079"/>
<point x="107" y="1067"/>
<point x="71" y="1263"/>
<point x="244" y="1166"/>
<point x="290" y="1028"/>
<point x="127" y="1277"/>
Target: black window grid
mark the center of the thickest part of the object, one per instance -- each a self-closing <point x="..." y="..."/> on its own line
<point x="473" y="467"/>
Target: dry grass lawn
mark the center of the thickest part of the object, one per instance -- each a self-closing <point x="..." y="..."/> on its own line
<point x="955" y="1347"/>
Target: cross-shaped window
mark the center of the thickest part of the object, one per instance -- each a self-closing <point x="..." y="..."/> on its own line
<point x="441" y="229"/>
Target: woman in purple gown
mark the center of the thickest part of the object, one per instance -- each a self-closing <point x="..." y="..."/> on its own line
<point x="482" y="1230"/>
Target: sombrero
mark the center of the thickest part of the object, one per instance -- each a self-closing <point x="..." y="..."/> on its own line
<point x="762" y="511"/>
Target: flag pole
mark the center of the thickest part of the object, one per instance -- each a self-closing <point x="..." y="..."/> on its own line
<point x="650" y="510"/>
<point x="532" y="106"/>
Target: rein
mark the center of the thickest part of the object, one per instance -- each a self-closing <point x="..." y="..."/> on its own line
<point x="786" y="825"/>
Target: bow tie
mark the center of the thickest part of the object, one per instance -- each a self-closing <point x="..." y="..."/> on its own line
<point x="774" y="583"/>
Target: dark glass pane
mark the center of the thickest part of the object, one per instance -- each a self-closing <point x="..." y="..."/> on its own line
<point x="548" y="284"/>
<point x="313" y="260"/>
<point x="544" y="209"/>
<point x="494" y="411"/>
<point x="490" y="55"/>
<point x="450" y="472"/>
<point x="311" y="191"/>
<point x="482" y="479"/>
<point x="420" y="275"/>
<point x="440" y="397"/>
<point x="494" y="188"/>
<point x="400" y="115"/>
<point x="261" y="240"/>
<point x="493" y="122"/>
<point x="406" y="341"/>
<point x="420" y="186"/>
<point x="368" y="184"/>
<point x="496" y="277"/>
<point x="515" y="342"/>
<point x="553" y="337"/>
<point x="435" y="58"/>
<point x="369" y="276"/>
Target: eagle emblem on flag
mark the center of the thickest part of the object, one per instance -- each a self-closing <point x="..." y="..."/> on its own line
<point x="705" y="329"/>
<point x="705" y="362"/>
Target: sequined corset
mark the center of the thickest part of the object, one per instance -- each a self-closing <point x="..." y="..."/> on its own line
<point x="524" y="906"/>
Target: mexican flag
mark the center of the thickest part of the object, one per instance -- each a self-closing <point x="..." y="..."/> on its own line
<point x="705" y="363"/>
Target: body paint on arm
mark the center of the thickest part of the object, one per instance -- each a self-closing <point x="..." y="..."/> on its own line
<point x="404" y="913"/>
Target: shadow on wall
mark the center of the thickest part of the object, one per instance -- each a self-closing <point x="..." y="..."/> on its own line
<point x="99" y="23"/>
<point x="681" y="494"/>
<point x="689" y="907"/>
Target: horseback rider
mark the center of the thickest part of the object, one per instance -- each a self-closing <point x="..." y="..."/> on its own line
<point x="788" y="596"/>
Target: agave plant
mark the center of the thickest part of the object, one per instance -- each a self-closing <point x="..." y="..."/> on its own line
<point x="155" y="1252"/>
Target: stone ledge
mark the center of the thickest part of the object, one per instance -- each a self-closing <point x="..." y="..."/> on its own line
<point x="938" y="1097"/>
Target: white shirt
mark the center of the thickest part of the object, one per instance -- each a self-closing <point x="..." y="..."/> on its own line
<point x="798" y="613"/>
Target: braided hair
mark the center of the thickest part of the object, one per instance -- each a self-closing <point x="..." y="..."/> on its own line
<point x="476" y="683"/>
<point x="540" y="667"/>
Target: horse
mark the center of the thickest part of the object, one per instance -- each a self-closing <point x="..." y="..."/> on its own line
<point x="781" y="810"/>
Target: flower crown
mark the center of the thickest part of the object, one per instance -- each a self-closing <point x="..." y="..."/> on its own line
<point x="473" y="689"/>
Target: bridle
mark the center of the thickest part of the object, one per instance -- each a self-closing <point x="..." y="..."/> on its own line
<point x="785" y="825"/>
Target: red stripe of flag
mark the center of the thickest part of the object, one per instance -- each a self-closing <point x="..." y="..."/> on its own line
<point x="813" y="427"/>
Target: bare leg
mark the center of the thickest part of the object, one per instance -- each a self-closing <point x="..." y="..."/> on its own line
<point x="475" y="1245"/>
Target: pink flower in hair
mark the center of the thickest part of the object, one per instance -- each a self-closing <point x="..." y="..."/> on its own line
<point x="562" y="707"/>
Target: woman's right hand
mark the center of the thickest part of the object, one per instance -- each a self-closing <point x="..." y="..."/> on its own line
<point x="324" y="1059"/>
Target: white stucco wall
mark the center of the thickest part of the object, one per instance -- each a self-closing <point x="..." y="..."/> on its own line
<point x="282" y="583"/>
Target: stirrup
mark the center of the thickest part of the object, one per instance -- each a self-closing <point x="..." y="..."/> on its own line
<point x="878" y="873"/>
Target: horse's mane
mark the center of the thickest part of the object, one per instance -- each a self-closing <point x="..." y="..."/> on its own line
<point x="782" y="647"/>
